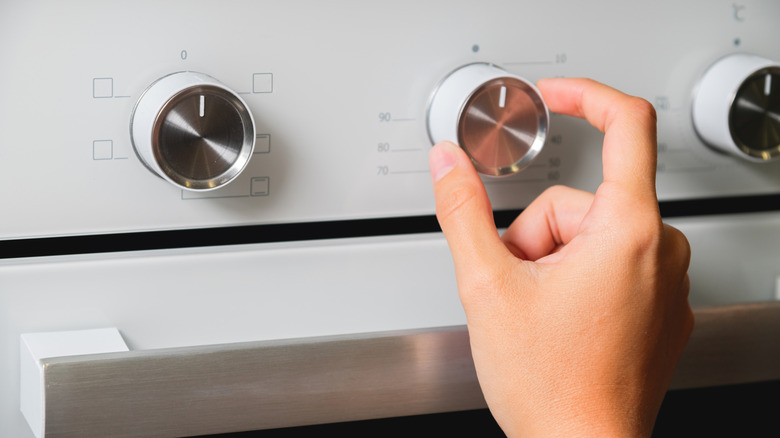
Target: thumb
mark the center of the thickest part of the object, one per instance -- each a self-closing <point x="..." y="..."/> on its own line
<point x="463" y="209"/>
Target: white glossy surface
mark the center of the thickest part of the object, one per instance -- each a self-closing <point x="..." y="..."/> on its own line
<point x="340" y="99"/>
<point x="36" y="346"/>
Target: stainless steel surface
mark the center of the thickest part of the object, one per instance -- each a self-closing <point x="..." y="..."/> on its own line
<point x="251" y="386"/>
<point x="730" y="345"/>
<point x="202" y="390"/>
<point x="196" y="147"/>
<point x="754" y="118"/>
<point x="503" y="126"/>
<point x="202" y="137"/>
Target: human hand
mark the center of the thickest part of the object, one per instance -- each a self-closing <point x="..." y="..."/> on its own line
<point x="578" y="314"/>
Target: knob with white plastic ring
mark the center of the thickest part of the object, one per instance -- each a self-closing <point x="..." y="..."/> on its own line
<point x="192" y="131"/>
<point x="499" y="119"/>
<point x="736" y="107"/>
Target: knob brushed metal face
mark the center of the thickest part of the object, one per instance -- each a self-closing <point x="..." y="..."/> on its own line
<point x="193" y="131"/>
<point x="754" y="118"/>
<point x="500" y="124"/>
<point x="497" y="118"/>
<point x="736" y="107"/>
<point x="200" y="133"/>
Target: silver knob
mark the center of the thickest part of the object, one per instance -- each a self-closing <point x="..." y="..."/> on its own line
<point x="499" y="119"/>
<point x="192" y="131"/>
<point x="736" y="108"/>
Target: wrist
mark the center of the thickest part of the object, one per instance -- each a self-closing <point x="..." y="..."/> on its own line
<point x="572" y="420"/>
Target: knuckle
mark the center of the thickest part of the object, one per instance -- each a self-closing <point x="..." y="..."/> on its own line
<point x="674" y="247"/>
<point x="643" y="109"/>
<point x="649" y="231"/>
<point x="643" y="237"/>
<point x="561" y="192"/>
<point x="556" y="191"/>
<point x="690" y="320"/>
<point x="685" y="288"/>
<point x="679" y="243"/>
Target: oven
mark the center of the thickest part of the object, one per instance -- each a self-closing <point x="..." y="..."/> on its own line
<point x="289" y="270"/>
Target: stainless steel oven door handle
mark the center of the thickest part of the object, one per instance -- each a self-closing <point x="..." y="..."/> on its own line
<point x="258" y="385"/>
<point x="271" y="384"/>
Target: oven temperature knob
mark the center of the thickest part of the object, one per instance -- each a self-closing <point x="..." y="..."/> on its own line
<point x="192" y="131"/>
<point x="499" y="119"/>
<point x="736" y="107"/>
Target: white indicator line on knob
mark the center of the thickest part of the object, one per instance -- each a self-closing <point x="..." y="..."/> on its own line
<point x="502" y="97"/>
<point x="202" y="111"/>
<point x="768" y="84"/>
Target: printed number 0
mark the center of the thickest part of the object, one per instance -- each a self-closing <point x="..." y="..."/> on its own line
<point x="183" y="54"/>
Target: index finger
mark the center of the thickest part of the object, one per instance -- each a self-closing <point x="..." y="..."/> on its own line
<point x="628" y="123"/>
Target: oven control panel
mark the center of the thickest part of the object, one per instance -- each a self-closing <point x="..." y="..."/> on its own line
<point x="124" y="117"/>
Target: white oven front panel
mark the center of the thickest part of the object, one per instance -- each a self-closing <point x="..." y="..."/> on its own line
<point x="339" y="92"/>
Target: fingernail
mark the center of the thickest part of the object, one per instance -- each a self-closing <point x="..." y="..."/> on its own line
<point x="442" y="160"/>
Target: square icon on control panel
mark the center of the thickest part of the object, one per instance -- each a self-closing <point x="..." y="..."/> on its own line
<point x="263" y="83"/>
<point x="260" y="186"/>
<point x="102" y="88"/>
<point x="102" y="149"/>
<point x="262" y="144"/>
